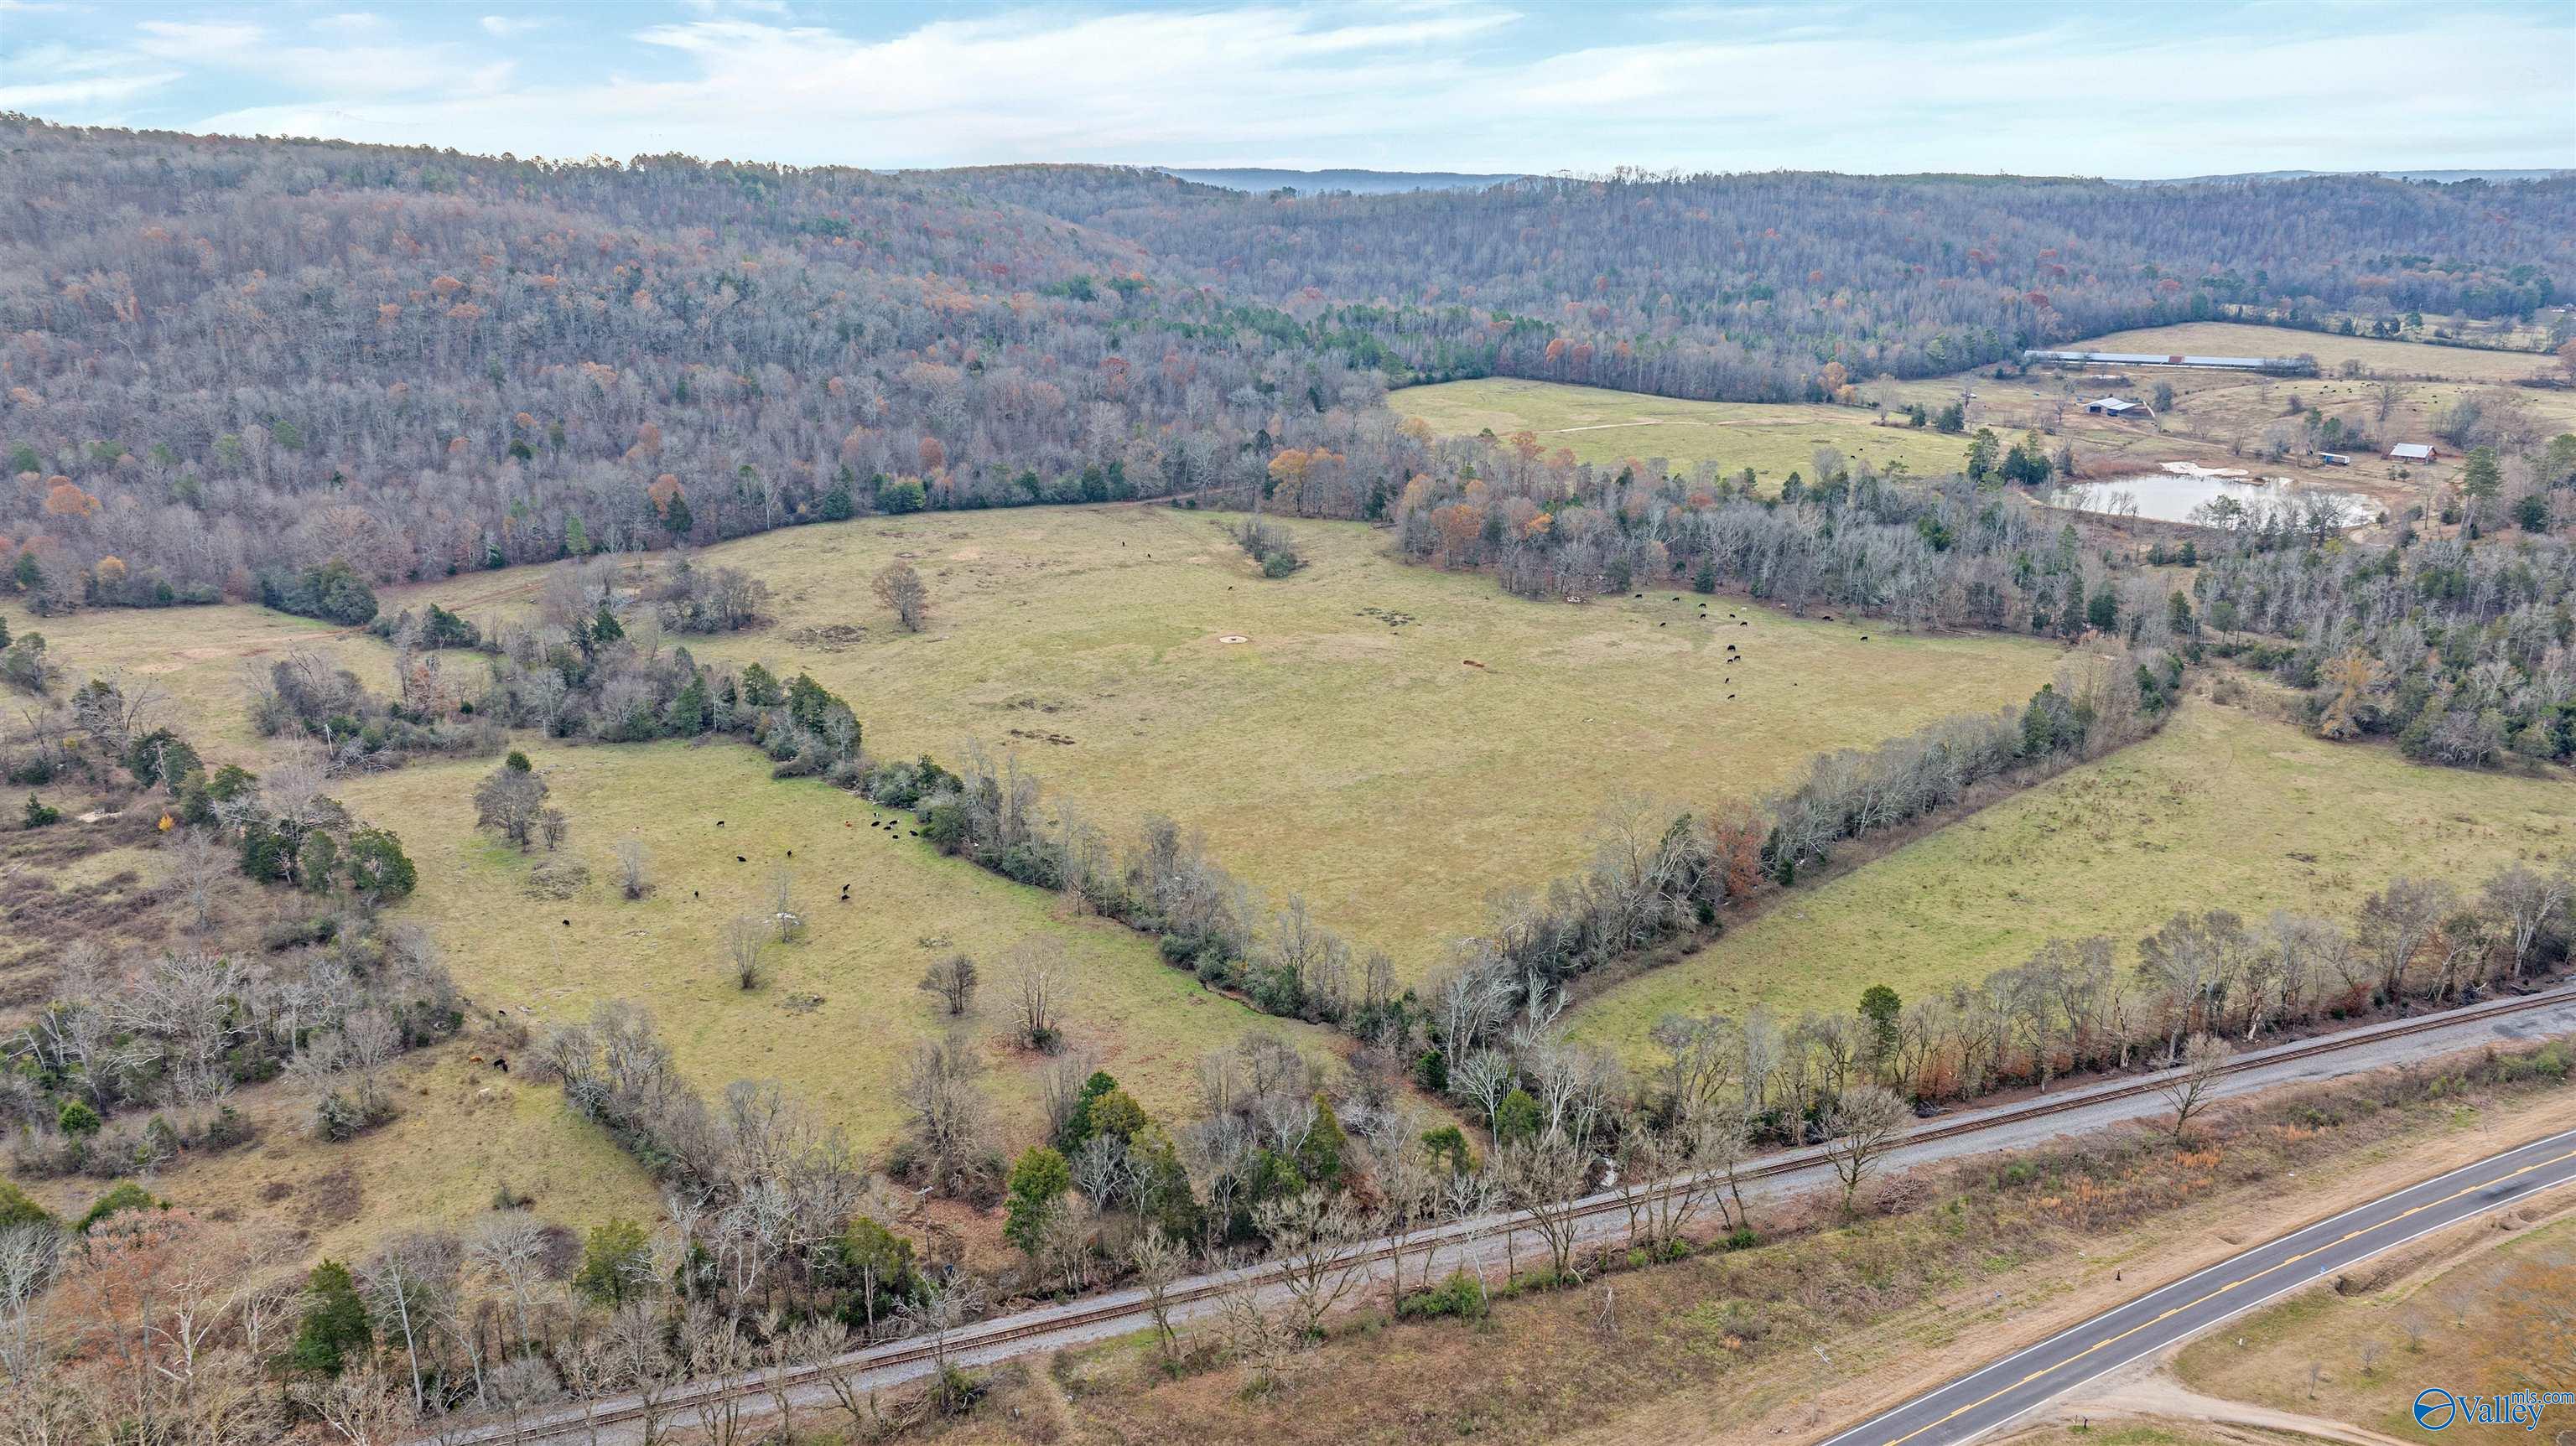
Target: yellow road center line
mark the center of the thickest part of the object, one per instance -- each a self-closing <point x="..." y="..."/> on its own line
<point x="2487" y="1184"/>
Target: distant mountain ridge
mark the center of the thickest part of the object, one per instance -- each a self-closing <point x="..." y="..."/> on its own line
<point x="1380" y="183"/>
<point x="2443" y="177"/>
<point x="1358" y="182"/>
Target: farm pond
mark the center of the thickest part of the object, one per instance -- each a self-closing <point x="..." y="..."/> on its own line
<point x="2185" y="492"/>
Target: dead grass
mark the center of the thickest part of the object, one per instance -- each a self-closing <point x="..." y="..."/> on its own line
<point x="2465" y="1321"/>
<point x="2226" y="808"/>
<point x="1612" y="428"/>
<point x="2153" y="1432"/>
<point x="1361" y="763"/>
<point x="194" y="658"/>
<point x="840" y="1010"/>
<point x="465" y="1130"/>
<point x="2382" y="356"/>
<point x="834" y="1021"/>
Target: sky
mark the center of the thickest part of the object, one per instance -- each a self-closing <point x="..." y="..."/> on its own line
<point x="2125" y="90"/>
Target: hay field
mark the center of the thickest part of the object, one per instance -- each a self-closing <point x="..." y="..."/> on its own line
<point x="511" y="948"/>
<point x="1607" y="428"/>
<point x="2477" y="1320"/>
<point x="195" y="658"/>
<point x="2224" y="809"/>
<point x="2383" y="356"/>
<point x="1394" y="774"/>
<point x="507" y="948"/>
<point x="466" y="1129"/>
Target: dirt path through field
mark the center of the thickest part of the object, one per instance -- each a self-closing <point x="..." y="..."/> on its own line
<point x="2148" y="1389"/>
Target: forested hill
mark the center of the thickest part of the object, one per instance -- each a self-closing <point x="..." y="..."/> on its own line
<point x="231" y="359"/>
<point x="230" y="356"/>
<point x="1741" y="287"/>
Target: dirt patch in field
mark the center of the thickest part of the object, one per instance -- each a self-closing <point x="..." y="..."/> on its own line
<point x="830" y="637"/>
<point x="2147" y="1390"/>
<point x="330" y="1200"/>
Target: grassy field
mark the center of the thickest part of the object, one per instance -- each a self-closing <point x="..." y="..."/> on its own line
<point x="2382" y="356"/>
<point x="833" y="1023"/>
<point x="464" y="1131"/>
<point x="2476" y="1325"/>
<point x="840" y="1011"/>
<point x="1607" y="428"/>
<point x="195" y="659"/>
<point x="2402" y="392"/>
<point x="1394" y="774"/>
<point x="2223" y="809"/>
<point x="511" y="949"/>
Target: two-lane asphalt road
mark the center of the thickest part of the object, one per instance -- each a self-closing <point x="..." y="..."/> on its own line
<point x="2010" y="1388"/>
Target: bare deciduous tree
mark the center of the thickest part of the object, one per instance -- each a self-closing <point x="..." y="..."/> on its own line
<point x="2526" y="900"/>
<point x="27" y="1257"/>
<point x="935" y="1314"/>
<point x="198" y="867"/>
<point x="405" y="1285"/>
<point x="2204" y="1059"/>
<point x="1322" y="1241"/>
<point x="631" y="860"/>
<point x="948" y="1124"/>
<point x="1261" y="1341"/>
<point x="509" y="1249"/>
<point x="1037" y="968"/>
<point x="511" y="801"/>
<point x="1157" y="1262"/>
<point x="900" y="589"/>
<point x="1543" y="1177"/>
<point x="746" y="941"/>
<point x="952" y="979"/>
<point x="782" y="905"/>
<point x="717" y="1348"/>
<point x="361" y="1406"/>
<point x="1860" y="1128"/>
<point x="635" y="1356"/>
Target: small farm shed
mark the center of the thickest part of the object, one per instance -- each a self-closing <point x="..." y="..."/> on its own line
<point x="2413" y="452"/>
<point x="2113" y="406"/>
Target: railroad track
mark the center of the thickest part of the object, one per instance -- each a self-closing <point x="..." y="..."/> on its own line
<point x="980" y="1340"/>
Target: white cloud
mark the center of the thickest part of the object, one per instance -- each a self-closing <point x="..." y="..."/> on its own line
<point x="77" y="79"/>
<point x="1452" y="84"/>
<point x="359" y="57"/>
<point x="71" y="94"/>
<point x="952" y="91"/>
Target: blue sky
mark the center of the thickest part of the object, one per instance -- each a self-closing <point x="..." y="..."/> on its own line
<point x="2119" y="90"/>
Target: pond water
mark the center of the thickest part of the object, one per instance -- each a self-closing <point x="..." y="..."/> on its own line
<point x="2220" y="496"/>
